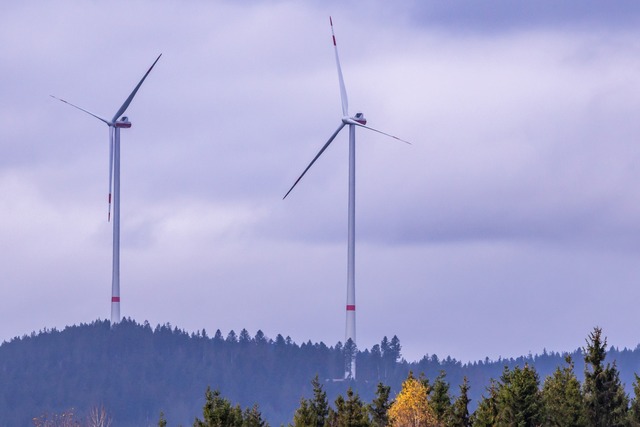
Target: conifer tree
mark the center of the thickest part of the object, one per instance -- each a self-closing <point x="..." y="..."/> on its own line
<point x="634" y="409"/>
<point x="562" y="398"/>
<point x="162" y="422"/>
<point x="440" y="398"/>
<point x="319" y="404"/>
<point x="379" y="408"/>
<point x="486" y="414"/>
<point x="312" y="413"/>
<point x="460" y="409"/>
<point x="304" y="416"/>
<point x="218" y="412"/>
<point x="519" y="397"/>
<point x="252" y="417"/>
<point x="348" y="413"/>
<point x="605" y="400"/>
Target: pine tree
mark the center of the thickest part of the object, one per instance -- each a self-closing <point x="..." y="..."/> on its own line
<point x="562" y="398"/>
<point x="460" y="409"/>
<point x="605" y="400"/>
<point x="440" y="398"/>
<point x="379" y="408"/>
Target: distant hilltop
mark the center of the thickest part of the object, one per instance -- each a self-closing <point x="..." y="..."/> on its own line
<point x="135" y="372"/>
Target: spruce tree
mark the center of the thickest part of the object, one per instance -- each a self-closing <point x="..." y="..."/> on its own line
<point x="486" y="414"/>
<point x="354" y="413"/>
<point x="440" y="398"/>
<point x="460" y="409"/>
<point x="162" y="422"/>
<point x="319" y="404"/>
<point x="348" y="413"/>
<point x="605" y="400"/>
<point x="634" y="409"/>
<point x="312" y="413"/>
<point x="218" y="412"/>
<point x="304" y="416"/>
<point x="252" y="417"/>
<point x="379" y="408"/>
<point x="519" y="397"/>
<point x="562" y="398"/>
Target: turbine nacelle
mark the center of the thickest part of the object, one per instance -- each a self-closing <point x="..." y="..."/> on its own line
<point x="123" y="123"/>
<point x="358" y="119"/>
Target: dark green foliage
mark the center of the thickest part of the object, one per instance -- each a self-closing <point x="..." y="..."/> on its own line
<point x="440" y="398"/>
<point x="634" y="409"/>
<point x="390" y="354"/>
<point x="460" y="410"/>
<point x="162" y="422"/>
<point x="252" y="417"/>
<point x="218" y="412"/>
<point x="486" y="415"/>
<point x="134" y="371"/>
<point x="348" y="413"/>
<point x="379" y="408"/>
<point x="304" y="416"/>
<point x="312" y="413"/>
<point x="605" y="400"/>
<point x="562" y="398"/>
<point x="519" y="398"/>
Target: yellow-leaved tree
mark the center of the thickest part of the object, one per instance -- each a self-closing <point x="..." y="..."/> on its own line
<point x="411" y="407"/>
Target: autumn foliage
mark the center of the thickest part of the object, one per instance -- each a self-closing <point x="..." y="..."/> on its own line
<point x="411" y="407"/>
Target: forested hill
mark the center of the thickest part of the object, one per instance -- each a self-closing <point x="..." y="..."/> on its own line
<point x="135" y="371"/>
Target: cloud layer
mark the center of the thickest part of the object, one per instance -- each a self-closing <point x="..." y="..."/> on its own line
<point x="510" y="225"/>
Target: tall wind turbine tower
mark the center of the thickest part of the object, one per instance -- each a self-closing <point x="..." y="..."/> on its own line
<point x="115" y="124"/>
<point x="358" y="120"/>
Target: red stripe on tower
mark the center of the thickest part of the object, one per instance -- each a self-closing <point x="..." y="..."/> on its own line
<point x="115" y="299"/>
<point x="351" y="308"/>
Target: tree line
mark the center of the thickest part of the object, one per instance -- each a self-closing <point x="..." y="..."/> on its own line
<point x="517" y="398"/>
<point x="134" y="371"/>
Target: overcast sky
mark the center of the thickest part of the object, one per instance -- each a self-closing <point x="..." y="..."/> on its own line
<point x="511" y="225"/>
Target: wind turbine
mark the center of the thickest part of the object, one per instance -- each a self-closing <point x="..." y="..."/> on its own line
<point x="115" y="124"/>
<point x="358" y="120"/>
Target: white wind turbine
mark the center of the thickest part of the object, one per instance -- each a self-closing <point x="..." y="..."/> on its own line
<point x="352" y="122"/>
<point x="115" y="124"/>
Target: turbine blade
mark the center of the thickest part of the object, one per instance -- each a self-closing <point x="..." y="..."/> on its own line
<point x="353" y="122"/>
<point x="81" y="109"/>
<point x="343" y="90"/>
<point x="111" y="131"/>
<point x="126" y="103"/>
<point x="315" y="158"/>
